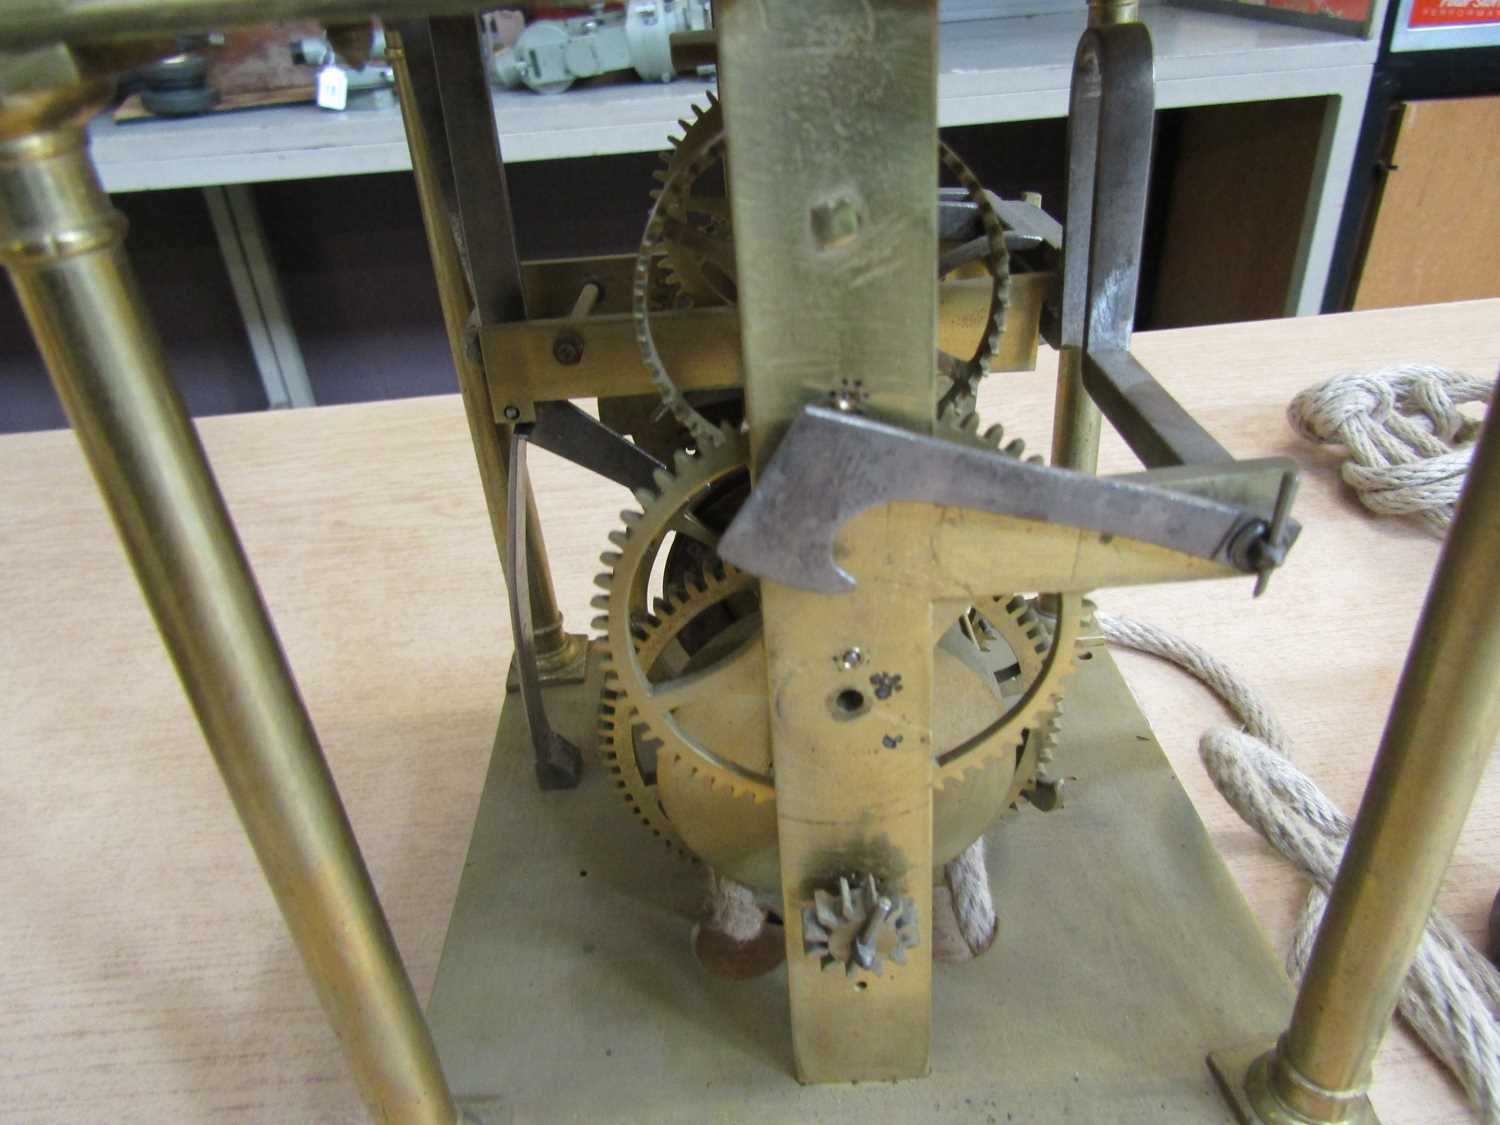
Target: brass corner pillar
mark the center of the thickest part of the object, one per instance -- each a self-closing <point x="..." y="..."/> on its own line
<point x="1437" y="741"/>
<point x="559" y="652"/>
<point x="62" y="243"/>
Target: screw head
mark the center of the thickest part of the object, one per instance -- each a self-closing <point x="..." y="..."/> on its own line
<point x="567" y="349"/>
<point x="512" y="413"/>
<point x="851" y="657"/>
<point x="847" y="396"/>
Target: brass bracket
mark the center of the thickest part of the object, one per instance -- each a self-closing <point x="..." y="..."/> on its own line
<point x="524" y="364"/>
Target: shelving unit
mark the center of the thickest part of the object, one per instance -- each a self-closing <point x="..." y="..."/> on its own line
<point x="1005" y="69"/>
<point x="1010" y="69"/>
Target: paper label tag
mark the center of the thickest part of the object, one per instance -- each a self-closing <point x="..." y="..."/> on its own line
<point x="333" y="88"/>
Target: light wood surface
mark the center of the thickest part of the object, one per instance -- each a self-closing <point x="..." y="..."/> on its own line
<point x="146" y="974"/>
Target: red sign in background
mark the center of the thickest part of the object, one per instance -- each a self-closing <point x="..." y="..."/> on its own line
<point x="1453" y="13"/>
<point x="1424" y="13"/>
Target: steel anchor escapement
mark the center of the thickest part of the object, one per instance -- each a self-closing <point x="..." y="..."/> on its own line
<point x="786" y="531"/>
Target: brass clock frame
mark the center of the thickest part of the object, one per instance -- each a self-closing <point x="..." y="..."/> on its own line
<point x="796" y="217"/>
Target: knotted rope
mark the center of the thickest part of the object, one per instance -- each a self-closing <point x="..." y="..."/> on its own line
<point x="1409" y="444"/>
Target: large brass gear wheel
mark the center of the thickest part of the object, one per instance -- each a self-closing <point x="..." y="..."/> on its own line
<point x="626" y="609"/>
<point x="696" y="713"/>
<point x="697" y="245"/>
<point x="688" y="244"/>
<point x="704" y="772"/>
<point x="684" y="725"/>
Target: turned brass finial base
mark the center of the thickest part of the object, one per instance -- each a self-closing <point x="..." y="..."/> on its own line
<point x="1263" y="1089"/>
<point x="1107" y="13"/>
<point x="562" y="657"/>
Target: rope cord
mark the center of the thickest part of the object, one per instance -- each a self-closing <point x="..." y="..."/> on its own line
<point x="1451" y="997"/>
<point x="1409" y="444"/>
<point x="732" y="909"/>
<point x="968" y="879"/>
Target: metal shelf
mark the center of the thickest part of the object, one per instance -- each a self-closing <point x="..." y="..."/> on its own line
<point x="1006" y="69"/>
<point x="1010" y="68"/>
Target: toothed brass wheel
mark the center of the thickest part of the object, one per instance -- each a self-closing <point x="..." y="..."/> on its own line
<point x="627" y="608"/>
<point x="634" y="755"/>
<point x="688" y="245"/>
<point x="685" y="724"/>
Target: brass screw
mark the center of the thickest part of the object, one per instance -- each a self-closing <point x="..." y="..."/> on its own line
<point x="567" y="349"/>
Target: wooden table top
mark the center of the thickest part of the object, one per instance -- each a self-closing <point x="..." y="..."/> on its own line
<point x="147" y="975"/>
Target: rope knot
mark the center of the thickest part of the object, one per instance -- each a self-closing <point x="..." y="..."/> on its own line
<point x="1408" y="441"/>
<point x="1435" y="394"/>
<point x="1325" y="413"/>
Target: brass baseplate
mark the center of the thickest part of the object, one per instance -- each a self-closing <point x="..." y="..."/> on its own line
<point x="567" y="991"/>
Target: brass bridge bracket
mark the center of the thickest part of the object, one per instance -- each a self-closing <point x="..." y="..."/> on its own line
<point x="522" y="364"/>
<point x="701" y="347"/>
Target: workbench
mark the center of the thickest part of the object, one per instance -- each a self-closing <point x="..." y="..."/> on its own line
<point x="147" y="974"/>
